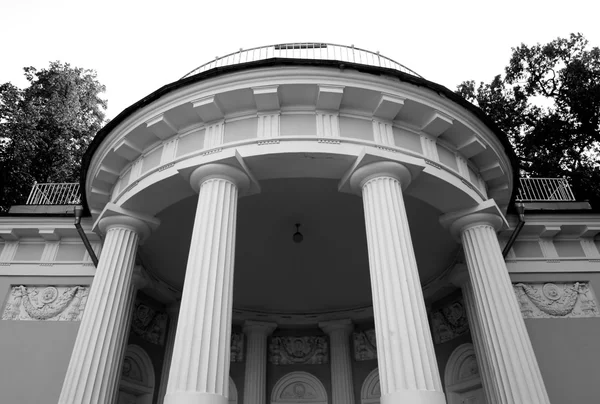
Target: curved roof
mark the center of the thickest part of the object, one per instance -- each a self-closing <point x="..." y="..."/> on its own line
<point x="364" y="68"/>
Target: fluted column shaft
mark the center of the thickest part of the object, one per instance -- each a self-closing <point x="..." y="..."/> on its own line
<point x="407" y="364"/>
<point x="92" y="375"/>
<point x="341" y="366"/>
<point x="255" y="377"/>
<point x="173" y="312"/>
<point x="500" y="329"/>
<point x="199" y="371"/>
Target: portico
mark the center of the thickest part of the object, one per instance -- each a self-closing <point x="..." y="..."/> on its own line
<point x="391" y="183"/>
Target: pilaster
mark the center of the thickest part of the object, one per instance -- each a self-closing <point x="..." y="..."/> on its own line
<point x="339" y="332"/>
<point x="255" y="378"/>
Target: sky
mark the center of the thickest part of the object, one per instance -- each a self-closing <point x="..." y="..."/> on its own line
<point x="138" y="46"/>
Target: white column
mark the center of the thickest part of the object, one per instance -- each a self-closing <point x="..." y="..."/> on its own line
<point x="255" y="377"/>
<point x="199" y="371"/>
<point x="92" y="375"/>
<point x="407" y="365"/>
<point x="342" y="385"/>
<point x="173" y="312"/>
<point x="501" y="333"/>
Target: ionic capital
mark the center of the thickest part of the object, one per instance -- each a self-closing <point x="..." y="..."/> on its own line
<point x="259" y="327"/>
<point x="380" y="169"/>
<point x="114" y="216"/>
<point x="345" y="326"/>
<point x="487" y="214"/>
<point x="219" y="171"/>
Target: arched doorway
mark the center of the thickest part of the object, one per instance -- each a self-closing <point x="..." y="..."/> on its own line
<point x="462" y="379"/>
<point x="297" y="388"/>
<point x="370" y="393"/>
<point x="137" y="377"/>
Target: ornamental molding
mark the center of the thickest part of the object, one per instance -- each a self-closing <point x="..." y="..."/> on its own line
<point x="365" y="345"/>
<point x="370" y="393"/>
<point x="149" y="324"/>
<point x="556" y="300"/>
<point x="237" y="347"/>
<point x="298" y="350"/>
<point x="449" y="322"/>
<point x="299" y="387"/>
<point x="46" y="303"/>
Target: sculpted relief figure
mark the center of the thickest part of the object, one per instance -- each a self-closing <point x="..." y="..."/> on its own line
<point x="298" y="350"/>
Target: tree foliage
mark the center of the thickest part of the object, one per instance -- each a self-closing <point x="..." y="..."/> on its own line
<point x="45" y="128"/>
<point x="548" y="103"/>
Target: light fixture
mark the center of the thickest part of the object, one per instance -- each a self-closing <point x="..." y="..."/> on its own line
<point x="297" y="237"/>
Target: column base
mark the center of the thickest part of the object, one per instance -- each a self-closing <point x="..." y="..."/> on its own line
<point x="185" y="397"/>
<point x="414" y="397"/>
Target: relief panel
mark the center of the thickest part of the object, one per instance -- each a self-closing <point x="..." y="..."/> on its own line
<point x="298" y="350"/>
<point x="365" y="345"/>
<point x="46" y="303"/>
<point x="556" y="300"/>
<point x="237" y="347"/>
<point x="449" y="322"/>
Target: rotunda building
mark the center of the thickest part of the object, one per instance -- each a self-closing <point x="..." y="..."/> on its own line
<point x="310" y="223"/>
<point x="308" y="200"/>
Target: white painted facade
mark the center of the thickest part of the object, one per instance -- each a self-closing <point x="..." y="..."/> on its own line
<point x="402" y="194"/>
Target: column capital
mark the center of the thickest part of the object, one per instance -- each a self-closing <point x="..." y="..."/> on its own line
<point x="258" y="327"/>
<point x="486" y="213"/>
<point x="219" y="171"/>
<point x="344" y="325"/>
<point x="380" y="169"/>
<point x="115" y="216"/>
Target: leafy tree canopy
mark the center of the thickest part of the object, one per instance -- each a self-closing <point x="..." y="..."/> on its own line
<point x="45" y="128"/>
<point x="548" y="103"/>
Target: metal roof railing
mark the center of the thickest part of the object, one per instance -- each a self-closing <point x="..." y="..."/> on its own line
<point x="64" y="193"/>
<point x="530" y="190"/>
<point x="544" y="190"/>
<point x="305" y="50"/>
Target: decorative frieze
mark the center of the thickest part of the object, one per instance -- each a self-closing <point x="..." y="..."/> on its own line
<point x="365" y="345"/>
<point x="449" y="322"/>
<point x="148" y="323"/>
<point x="556" y="300"/>
<point x="298" y="350"/>
<point x="46" y="303"/>
<point x="237" y="347"/>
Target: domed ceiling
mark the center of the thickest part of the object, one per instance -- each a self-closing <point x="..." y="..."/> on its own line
<point x="327" y="271"/>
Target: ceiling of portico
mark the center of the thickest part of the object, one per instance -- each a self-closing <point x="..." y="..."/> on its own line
<point x="328" y="271"/>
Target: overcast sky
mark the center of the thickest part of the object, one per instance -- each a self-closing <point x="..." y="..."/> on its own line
<point x="138" y="46"/>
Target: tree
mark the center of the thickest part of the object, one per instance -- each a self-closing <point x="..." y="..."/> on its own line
<point x="548" y="104"/>
<point x="46" y="127"/>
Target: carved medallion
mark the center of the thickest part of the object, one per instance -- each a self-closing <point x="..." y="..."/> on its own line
<point x="552" y="300"/>
<point x="365" y="345"/>
<point x="449" y="322"/>
<point x="298" y="350"/>
<point x="46" y="303"/>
